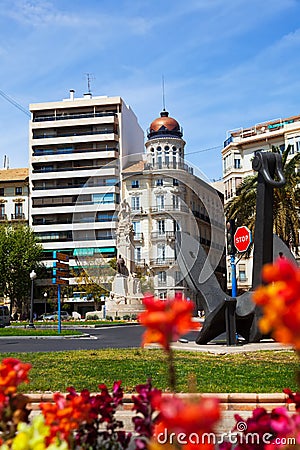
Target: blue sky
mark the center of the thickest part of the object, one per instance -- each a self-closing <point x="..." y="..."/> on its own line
<point x="226" y="64"/>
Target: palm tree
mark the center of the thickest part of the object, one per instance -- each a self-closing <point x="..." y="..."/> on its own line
<point x="286" y="218"/>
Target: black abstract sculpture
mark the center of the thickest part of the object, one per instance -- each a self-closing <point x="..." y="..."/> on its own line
<point x="218" y="306"/>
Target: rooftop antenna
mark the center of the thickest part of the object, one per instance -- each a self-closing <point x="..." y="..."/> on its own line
<point x="89" y="77"/>
<point x="163" y="93"/>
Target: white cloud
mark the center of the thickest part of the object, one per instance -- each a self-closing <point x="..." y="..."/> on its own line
<point x="38" y="13"/>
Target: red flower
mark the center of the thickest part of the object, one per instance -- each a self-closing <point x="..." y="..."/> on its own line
<point x="12" y="373"/>
<point x="185" y="422"/>
<point x="280" y="302"/>
<point x="166" y="320"/>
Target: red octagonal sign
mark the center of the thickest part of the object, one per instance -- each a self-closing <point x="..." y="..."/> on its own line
<point x="242" y="239"/>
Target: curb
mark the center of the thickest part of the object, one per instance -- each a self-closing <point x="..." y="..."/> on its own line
<point x="228" y="402"/>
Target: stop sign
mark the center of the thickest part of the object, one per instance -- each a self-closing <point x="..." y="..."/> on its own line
<point x="242" y="239"/>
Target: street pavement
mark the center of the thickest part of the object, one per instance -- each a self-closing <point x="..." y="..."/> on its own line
<point x="128" y="336"/>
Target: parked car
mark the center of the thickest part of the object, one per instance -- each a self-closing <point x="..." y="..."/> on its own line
<point x="64" y="315"/>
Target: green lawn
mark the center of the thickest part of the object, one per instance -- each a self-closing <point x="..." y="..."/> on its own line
<point x="21" y="331"/>
<point x="265" y="371"/>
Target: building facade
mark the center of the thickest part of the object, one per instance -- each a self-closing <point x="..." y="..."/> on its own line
<point x="237" y="154"/>
<point x="166" y="196"/>
<point x="76" y="146"/>
<point x="14" y="193"/>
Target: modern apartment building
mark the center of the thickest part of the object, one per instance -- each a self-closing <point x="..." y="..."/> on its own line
<point x="166" y="195"/>
<point x="14" y="184"/>
<point x="76" y="146"/>
<point x="239" y="149"/>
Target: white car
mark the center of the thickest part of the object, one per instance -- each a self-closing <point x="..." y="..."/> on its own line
<point x="64" y="315"/>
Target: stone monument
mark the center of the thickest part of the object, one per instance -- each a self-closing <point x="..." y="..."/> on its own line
<point x="125" y="297"/>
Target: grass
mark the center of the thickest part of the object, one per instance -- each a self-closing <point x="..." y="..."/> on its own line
<point x="265" y="371"/>
<point x="18" y="331"/>
<point x="97" y="323"/>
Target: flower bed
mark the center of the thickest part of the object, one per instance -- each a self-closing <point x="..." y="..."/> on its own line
<point x="162" y="421"/>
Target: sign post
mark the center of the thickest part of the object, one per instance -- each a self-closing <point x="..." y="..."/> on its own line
<point x="60" y="276"/>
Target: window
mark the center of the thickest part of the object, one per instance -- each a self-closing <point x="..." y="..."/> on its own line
<point x="2" y="211"/>
<point x="162" y="295"/>
<point x="103" y="198"/>
<point x="135" y="203"/>
<point x="175" y="182"/>
<point x="160" y="202"/>
<point x="178" y="277"/>
<point x="161" y="227"/>
<point x="162" y="278"/>
<point x="175" y="202"/>
<point x="18" y="190"/>
<point x="161" y="252"/>
<point x="237" y="162"/>
<point x="136" y="227"/>
<point x="18" y="211"/>
<point x="105" y="234"/>
<point x="137" y="254"/>
<point x="159" y="161"/>
<point x="135" y="184"/>
<point x="105" y="217"/>
<point x="242" y="272"/>
<point x="2" y="192"/>
<point x="159" y="182"/>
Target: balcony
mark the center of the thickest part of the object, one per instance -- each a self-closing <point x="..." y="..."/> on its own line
<point x="72" y="134"/>
<point x="171" y="166"/>
<point x="167" y="235"/>
<point x="169" y="208"/>
<point x="140" y="262"/>
<point x="137" y="211"/>
<point x="71" y="150"/>
<point x="138" y="237"/>
<point x="162" y="262"/>
<point x="19" y="216"/>
<point x="161" y="283"/>
<point x="73" y="116"/>
<point x="201" y="216"/>
<point x="3" y="217"/>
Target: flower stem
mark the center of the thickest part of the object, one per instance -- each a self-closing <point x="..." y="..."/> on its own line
<point x="172" y="372"/>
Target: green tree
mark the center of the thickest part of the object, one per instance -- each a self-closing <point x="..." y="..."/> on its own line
<point x="95" y="278"/>
<point x="285" y="206"/>
<point x="20" y="253"/>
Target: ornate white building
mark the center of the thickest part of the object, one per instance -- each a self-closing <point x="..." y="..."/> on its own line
<point x="166" y="196"/>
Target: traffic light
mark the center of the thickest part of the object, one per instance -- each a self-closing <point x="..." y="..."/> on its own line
<point x="230" y="230"/>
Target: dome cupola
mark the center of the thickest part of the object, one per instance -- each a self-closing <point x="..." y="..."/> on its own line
<point x="164" y="126"/>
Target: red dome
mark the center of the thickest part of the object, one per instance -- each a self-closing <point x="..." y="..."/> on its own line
<point x="167" y="122"/>
<point x="164" y="126"/>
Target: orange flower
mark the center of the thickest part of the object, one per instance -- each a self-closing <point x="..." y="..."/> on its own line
<point x="166" y="320"/>
<point x="12" y="373"/>
<point x="65" y="415"/>
<point x="185" y="422"/>
<point x="280" y="302"/>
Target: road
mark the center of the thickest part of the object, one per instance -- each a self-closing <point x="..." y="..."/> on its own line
<point x="128" y="336"/>
<point x="112" y="337"/>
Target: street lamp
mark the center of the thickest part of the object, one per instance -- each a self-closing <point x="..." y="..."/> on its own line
<point x="45" y="297"/>
<point x="32" y="277"/>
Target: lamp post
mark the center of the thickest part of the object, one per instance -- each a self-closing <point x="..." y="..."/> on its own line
<point x="45" y="297"/>
<point x="32" y="277"/>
